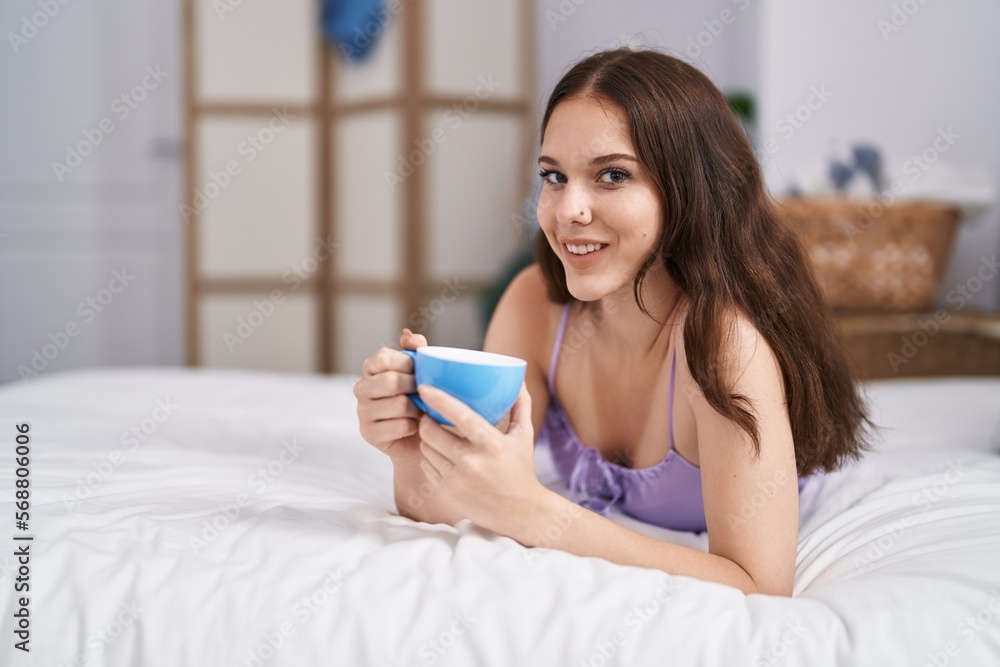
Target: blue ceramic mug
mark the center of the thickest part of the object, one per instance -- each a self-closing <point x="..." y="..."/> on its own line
<point x="485" y="381"/>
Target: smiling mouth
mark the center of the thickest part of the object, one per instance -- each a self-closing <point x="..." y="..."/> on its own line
<point x="584" y="249"/>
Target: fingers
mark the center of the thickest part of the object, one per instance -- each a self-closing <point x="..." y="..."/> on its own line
<point x="467" y="421"/>
<point x="384" y="360"/>
<point x="388" y="372"/>
<point x="387" y="359"/>
<point x="434" y="436"/>
<point x="388" y="430"/>
<point x="430" y="472"/>
<point x="520" y="414"/>
<point x="411" y="341"/>
<point x="438" y="461"/>
<point x="391" y="407"/>
<point x="383" y="385"/>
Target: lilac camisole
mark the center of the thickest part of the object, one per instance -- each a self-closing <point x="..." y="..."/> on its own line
<point x="667" y="494"/>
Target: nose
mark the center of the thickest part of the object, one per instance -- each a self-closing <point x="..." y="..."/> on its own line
<point x="573" y="206"/>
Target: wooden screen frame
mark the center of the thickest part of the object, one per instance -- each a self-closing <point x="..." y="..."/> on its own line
<point x="413" y="102"/>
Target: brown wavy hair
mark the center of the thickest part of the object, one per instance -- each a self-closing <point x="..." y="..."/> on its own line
<point x="725" y="244"/>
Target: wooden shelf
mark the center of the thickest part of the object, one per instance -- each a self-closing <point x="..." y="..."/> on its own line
<point x="933" y="343"/>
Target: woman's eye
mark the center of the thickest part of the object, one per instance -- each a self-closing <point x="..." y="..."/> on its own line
<point x="613" y="176"/>
<point x="547" y="175"/>
<point x="617" y="176"/>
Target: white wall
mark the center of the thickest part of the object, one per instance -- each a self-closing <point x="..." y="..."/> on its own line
<point x="722" y="46"/>
<point x="61" y="240"/>
<point x="940" y="69"/>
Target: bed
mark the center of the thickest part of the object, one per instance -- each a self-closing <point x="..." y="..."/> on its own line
<point x="223" y="518"/>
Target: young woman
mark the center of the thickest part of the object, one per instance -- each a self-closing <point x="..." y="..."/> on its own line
<point x="682" y="363"/>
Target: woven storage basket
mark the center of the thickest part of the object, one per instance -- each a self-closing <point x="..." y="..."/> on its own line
<point x="869" y="256"/>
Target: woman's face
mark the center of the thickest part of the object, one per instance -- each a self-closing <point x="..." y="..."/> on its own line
<point x="596" y="193"/>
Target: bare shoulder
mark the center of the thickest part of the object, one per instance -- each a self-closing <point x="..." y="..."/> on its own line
<point x="524" y="325"/>
<point x="524" y="318"/>
<point x="733" y="468"/>
<point x="747" y="360"/>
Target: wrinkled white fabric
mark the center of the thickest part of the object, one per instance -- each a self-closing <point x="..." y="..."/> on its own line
<point x="307" y="562"/>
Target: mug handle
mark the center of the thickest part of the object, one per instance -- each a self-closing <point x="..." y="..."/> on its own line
<point x="415" y="397"/>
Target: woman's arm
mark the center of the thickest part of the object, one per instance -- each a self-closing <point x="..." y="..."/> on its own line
<point x="559" y="523"/>
<point x="751" y="505"/>
<point x="417" y="497"/>
<point x="519" y="329"/>
<point x="514" y="330"/>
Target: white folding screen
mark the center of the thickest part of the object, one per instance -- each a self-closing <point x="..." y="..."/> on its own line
<point x="332" y="203"/>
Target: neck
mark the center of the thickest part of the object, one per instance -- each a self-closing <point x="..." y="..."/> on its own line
<point x="623" y="325"/>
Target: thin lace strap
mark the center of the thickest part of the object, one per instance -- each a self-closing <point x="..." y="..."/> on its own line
<point x="670" y="410"/>
<point x="555" y="350"/>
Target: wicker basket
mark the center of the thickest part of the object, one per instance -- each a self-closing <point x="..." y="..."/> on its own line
<point x="869" y="256"/>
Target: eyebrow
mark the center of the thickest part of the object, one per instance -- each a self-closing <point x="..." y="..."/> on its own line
<point x="604" y="159"/>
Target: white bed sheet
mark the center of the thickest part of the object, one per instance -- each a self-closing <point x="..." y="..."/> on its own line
<point x="898" y="562"/>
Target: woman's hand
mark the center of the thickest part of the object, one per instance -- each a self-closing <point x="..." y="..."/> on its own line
<point x="483" y="473"/>
<point x="388" y="418"/>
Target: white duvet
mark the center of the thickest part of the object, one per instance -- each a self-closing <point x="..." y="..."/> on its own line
<point x="225" y="518"/>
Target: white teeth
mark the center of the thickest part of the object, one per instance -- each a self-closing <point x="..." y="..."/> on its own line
<point x="584" y="249"/>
